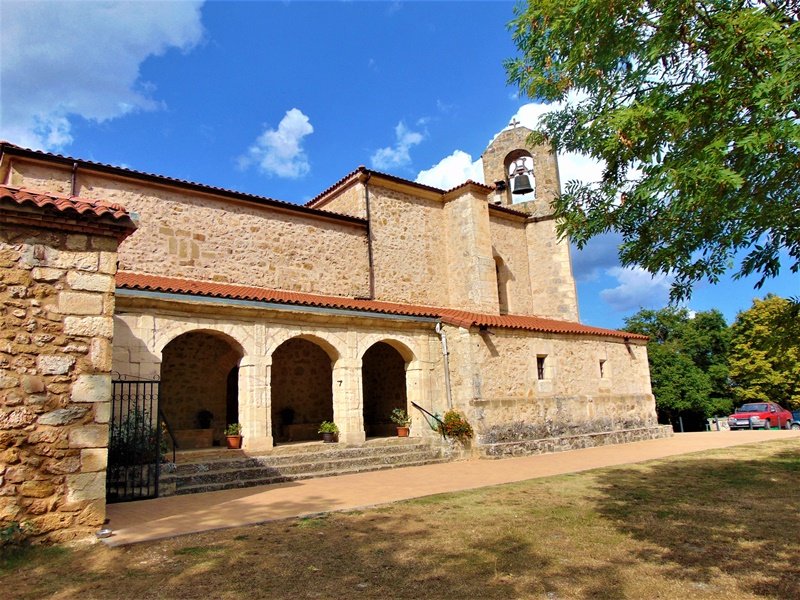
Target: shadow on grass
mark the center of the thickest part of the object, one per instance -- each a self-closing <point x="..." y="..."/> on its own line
<point x="700" y="515"/>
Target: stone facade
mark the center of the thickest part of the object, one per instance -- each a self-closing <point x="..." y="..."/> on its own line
<point x="281" y="366"/>
<point x="56" y="323"/>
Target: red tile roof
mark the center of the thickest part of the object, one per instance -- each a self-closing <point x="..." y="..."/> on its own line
<point x="6" y="147"/>
<point x="68" y="206"/>
<point x="460" y="318"/>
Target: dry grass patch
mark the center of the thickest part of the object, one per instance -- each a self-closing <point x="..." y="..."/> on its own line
<point x="720" y="524"/>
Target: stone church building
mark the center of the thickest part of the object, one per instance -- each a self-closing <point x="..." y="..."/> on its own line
<point x="379" y="293"/>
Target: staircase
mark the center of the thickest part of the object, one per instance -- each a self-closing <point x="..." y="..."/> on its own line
<point x="218" y="469"/>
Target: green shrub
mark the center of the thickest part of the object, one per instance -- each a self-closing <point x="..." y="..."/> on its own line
<point x="455" y="425"/>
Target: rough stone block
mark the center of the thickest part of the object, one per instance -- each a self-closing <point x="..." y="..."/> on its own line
<point x="91" y="388"/>
<point x="102" y="412"/>
<point x="89" y="436"/>
<point x="100" y="354"/>
<point x="32" y="384"/>
<point x="37" y="489"/>
<point x="89" y="326"/>
<point x="51" y="522"/>
<point x="90" y="282"/>
<point x="108" y="263"/>
<point x="62" y="416"/>
<point x="8" y="379"/>
<point x="80" y="303"/>
<point x="77" y="242"/>
<point x="46" y="274"/>
<point x="16" y="418"/>
<point x="61" y="466"/>
<point x="94" y="459"/>
<point x="86" y="486"/>
<point x="52" y="364"/>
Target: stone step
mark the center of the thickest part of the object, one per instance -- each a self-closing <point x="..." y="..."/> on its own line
<point x="313" y="447"/>
<point x="334" y="463"/>
<point x="332" y="452"/>
<point x="212" y="487"/>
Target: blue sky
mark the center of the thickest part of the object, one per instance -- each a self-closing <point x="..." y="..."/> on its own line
<point x="282" y="99"/>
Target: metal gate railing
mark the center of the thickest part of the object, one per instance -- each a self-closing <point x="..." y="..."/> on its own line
<point x="135" y="440"/>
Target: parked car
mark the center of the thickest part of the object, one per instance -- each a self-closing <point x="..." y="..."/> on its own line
<point x="760" y="415"/>
<point x="796" y="419"/>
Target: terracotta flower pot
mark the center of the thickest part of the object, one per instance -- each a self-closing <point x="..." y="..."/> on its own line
<point x="234" y="442"/>
<point x="402" y="431"/>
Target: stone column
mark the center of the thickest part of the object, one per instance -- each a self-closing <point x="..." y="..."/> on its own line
<point x="348" y="401"/>
<point x="254" y="402"/>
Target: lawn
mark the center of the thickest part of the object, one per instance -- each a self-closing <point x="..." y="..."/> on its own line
<point x="718" y="524"/>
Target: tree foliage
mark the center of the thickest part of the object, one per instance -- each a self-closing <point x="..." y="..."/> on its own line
<point x="694" y="107"/>
<point x="765" y="352"/>
<point x="688" y="361"/>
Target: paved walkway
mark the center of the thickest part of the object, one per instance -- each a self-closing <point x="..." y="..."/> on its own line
<point x="148" y="520"/>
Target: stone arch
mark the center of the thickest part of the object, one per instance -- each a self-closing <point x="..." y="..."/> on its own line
<point x="384" y="387"/>
<point x="301" y="387"/>
<point x="508" y="168"/>
<point x="169" y="330"/>
<point x="195" y="389"/>
<point x="329" y="343"/>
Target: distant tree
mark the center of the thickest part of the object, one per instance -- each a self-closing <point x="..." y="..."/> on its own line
<point x="688" y="362"/>
<point x="694" y="107"/>
<point x="765" y="352"/>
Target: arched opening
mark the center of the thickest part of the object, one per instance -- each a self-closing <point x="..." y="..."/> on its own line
<point x="383" y="376"/>
<point x="302" y="392"/>
<point x="520" y="161"/>
<point x="196" y="396"/>
<point x="502" y="284"/>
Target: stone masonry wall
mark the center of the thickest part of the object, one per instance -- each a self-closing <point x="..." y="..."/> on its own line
<point x="194" y="235"/>
<point x="56" y="307"/>
<point x="510" y="244"/>
<point x="408" y="247"/>
<point x="349" y="202"/>
<point x="495" y="382"/>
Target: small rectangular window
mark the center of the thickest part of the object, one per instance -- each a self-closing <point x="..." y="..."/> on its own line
<point x="602" y="369"/>
<point x="540" y="366"/>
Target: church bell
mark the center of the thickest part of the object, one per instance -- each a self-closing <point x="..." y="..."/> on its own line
<point x="521" y="185"/>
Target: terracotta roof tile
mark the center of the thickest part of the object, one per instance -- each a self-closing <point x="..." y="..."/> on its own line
<point x="460" y="318"/>
<point x="163" y="179"/>
<point x="72" y="205"/>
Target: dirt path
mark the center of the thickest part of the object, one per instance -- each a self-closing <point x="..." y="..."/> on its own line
<point x="178" y="515"/>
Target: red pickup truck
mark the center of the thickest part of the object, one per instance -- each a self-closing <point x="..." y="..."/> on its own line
<point x="760" y="415"/>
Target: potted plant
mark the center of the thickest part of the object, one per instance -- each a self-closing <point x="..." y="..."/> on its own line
<point x="455" y="425"/>
<point x="233" y="436"/>
<point x="403" y="421"/>
<point x="328" y="429"/>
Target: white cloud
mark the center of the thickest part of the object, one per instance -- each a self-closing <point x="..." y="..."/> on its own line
<point x="279" y="151"/>
<point x="637" y="288"/>
<point x="62" y="60"/>
<point x="398" y="155"/>
<point x="599" y="255"/>
<point x="452" y="170"/>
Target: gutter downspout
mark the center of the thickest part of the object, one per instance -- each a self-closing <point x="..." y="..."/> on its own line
<point x="72" y="182"/>
<point x="369" y="240"/>
<point x="446" y="357"/>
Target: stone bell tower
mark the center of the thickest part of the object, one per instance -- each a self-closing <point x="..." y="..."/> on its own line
<point x="510" y="155"/>
<point x="514" y="165"/>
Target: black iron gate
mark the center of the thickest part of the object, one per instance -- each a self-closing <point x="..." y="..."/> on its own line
<point x="135" y="440"/>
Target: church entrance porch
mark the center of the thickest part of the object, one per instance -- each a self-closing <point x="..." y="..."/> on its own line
<point x="302" y="397"/>
<point x="383" y="377"/>
<point x="199" y="387"/>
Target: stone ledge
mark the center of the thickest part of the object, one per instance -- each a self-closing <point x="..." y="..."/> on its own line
<point x="573" y="442"/>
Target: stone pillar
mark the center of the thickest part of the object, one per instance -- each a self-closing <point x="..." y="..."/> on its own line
<point x="472" y="279"/>
<point x="57" y="293"/>
<point x="348" y="402"/>
<point x="254" y="402"/>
